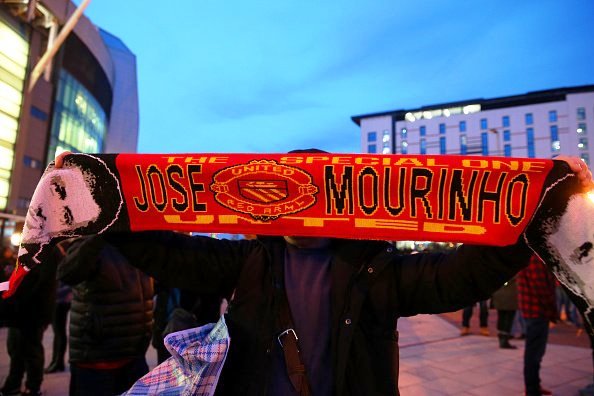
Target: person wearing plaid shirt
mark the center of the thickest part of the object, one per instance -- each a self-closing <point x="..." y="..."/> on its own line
<point x="536" y="300"/>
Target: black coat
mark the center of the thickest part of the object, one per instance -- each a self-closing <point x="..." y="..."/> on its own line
<point x="372" y="286"/>
<point x="111" y="312"/>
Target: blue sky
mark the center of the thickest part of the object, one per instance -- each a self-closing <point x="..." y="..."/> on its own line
<point x="271" y="76"/>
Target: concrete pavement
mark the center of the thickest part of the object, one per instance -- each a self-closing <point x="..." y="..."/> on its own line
<point x="434" y="360"/>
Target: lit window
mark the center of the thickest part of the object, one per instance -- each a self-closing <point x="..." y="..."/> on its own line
<point x="506" y="135"/>
<point x="555" y="145"/>
<point x="507" y="150"/>
<point x="505" y="121"/>
<point x="463" y="145"/>
<point x="423" y="146"/>
<point x="530" y="142"/>
<point x="528" y="119"/>
<point x="583" y="143"/>
<point x="404" y="147"/>
<point x="581" y="113"/>
<point x="483" y="123"/>
<point x="585" y="157"/>
<point x="462" y="126"/>
<point x="422" y="130"/>
<point x="581" y="129"/>
<point x="386" y="150"/>
<point x="403" y="133"/>
<point x="554" y="133"/>
<point x="553" y="116"/>
<point x="386" y="137"/>
<point x="442" y="129"/>
<point x="485" y="143"/>
<point x="371" y="136"/>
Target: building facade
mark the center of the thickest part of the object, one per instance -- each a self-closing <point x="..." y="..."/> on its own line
<point x="86" y="100"/>
<point x="540" y="124"/>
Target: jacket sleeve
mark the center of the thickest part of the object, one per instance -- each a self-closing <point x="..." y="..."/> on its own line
<point x="435" y="283"/>
<point x="177" y="260"/>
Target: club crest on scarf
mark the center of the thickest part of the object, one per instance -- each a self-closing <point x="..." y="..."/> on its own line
<point x="264" y="189"/>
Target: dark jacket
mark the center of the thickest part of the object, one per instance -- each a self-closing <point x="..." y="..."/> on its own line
<point x="372" y="286"/>
<point x="112" y="308"/>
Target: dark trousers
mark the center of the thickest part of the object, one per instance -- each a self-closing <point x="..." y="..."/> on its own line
<point x="25" y="348"/>
<point x="537" y="332"/>
<point x="505" y="320"/>
<point x="94" y="382"/>
<point x="483" y="314"/>
<point x="60" y="337"/>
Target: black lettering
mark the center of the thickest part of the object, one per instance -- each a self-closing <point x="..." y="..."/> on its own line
<point x="153" y="170"/>
<point x="420" y="193"/>
<point x="493" y="196"/>
<point x="336" y="196"/>
<point x="394" y="211"/>
<point x="522" y="179"/>
<point x="196" y="187"/>
<point x="177" y="170"/>
<point x="141" y="205"/>
<point x="366" y="173"/>
<point x="457" y="195"/>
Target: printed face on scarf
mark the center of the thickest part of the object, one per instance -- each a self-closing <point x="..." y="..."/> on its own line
<point x="67" y="205"/>
<point x="574" y="240"/>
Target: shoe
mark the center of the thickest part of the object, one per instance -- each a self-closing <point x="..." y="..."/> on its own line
<point x="543" y="391"/>
<point x="54" y="368"/>
<point x="484" y="331"/>
<point x="464" y="331"/>
<point x="506" y="345"/>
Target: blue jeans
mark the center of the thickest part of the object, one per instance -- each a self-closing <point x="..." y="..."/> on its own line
<point x="94" y="382"/>
<point x="537" y="332"/>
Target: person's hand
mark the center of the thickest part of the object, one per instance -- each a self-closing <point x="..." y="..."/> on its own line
<point x="580" y="168"/>
<point x="59" y="160"/>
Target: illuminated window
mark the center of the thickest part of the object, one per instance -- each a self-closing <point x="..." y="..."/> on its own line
<point x="554" y="133"/>
<point x="506" y="135"/>
<point x="553" y="116"/>
<point x="14" y="53"/>
<point x="583" y="143"/>
<point x="463" y="145"/>
<point x="79" y="122"/>
<point x="507" y="150"/>
<point x="581" y="129"/>
<point x="403" y="133"/>
<point x="423" y="146"/>
<point x="585" y="157"/>
<point x="528" y="119"/>
<point x="386" y="137"/>
<point x="505" y="121"/>
<point x="530" y="142"/>
<point x="484" y="143"/>
<point x="404" y="147"/>
<point x="581" y="113"/>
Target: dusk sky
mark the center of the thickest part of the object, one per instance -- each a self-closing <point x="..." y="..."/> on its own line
<point x="271" y="76"/>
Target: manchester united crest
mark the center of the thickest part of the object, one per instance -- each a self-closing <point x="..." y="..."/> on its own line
<point x="264" y="189"/>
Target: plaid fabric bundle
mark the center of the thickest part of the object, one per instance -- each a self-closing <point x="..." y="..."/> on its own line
<point x="536" y="291"/>
<point x="197" y="357"/>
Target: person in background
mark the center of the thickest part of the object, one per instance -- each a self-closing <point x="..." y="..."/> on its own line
<point x="505" y="301"/>
<point x="111" y="318"/>
<point x="536" y="299"/>
<point x="483" y="318"/>
<point x="31" y="311"/>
